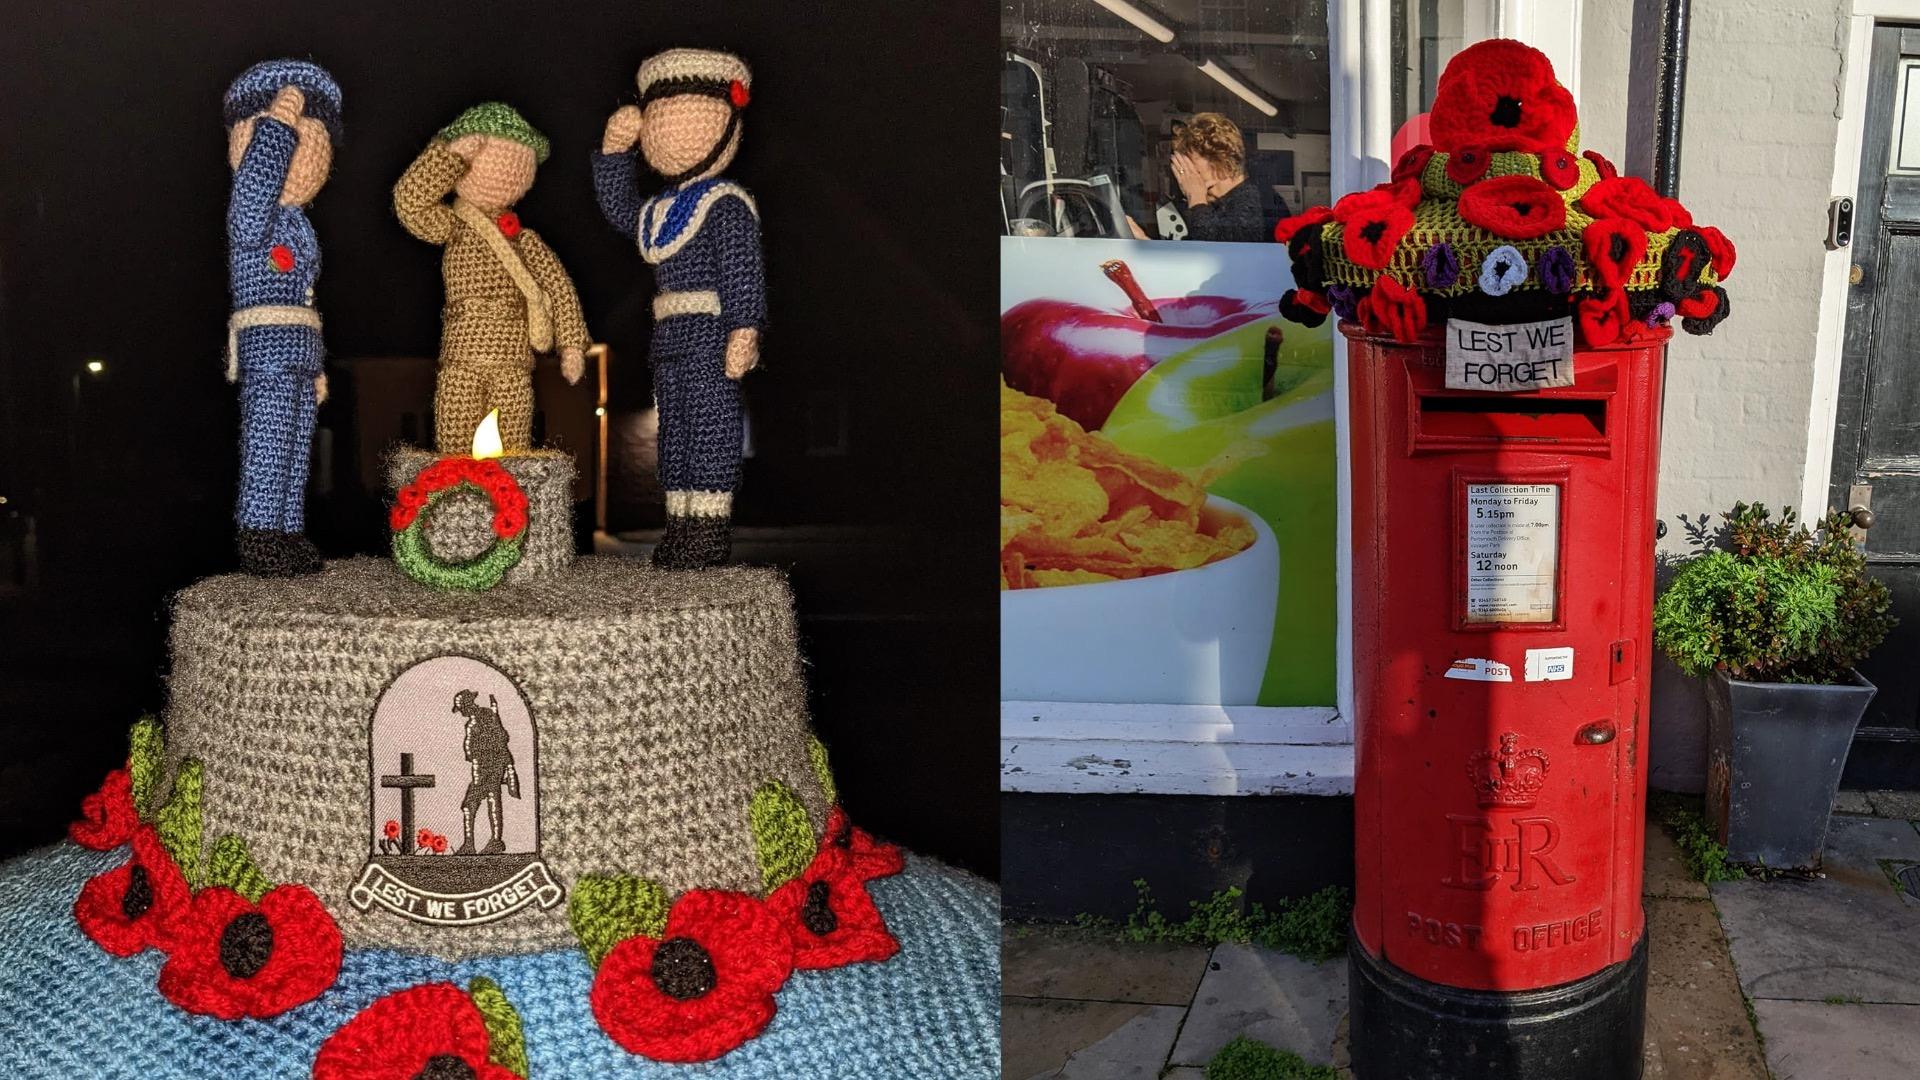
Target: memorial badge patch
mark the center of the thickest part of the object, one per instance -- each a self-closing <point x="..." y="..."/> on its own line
<point x="454" y="791"/>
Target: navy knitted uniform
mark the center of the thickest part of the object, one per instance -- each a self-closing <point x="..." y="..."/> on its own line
<point x="700" y="236"/>
<point x="277" y="364"/>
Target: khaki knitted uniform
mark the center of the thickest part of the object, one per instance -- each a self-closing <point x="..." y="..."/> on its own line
<point x="486" y="356"/>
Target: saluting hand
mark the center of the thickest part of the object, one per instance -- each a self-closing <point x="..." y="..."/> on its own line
<point x="623" y="130"/>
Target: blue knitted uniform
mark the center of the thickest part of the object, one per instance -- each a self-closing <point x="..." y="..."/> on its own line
<point x="701" y="236"/>
<point x="277" y="364"/>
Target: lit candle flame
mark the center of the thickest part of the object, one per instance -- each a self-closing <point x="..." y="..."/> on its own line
<point x="486" y="437"/>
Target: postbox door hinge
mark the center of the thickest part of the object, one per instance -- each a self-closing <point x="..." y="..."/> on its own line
<point x="1620" y="662"/>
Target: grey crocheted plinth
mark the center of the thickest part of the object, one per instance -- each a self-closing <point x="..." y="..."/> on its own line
<point x="662" y="702"/>
<point x="460" y="526"/>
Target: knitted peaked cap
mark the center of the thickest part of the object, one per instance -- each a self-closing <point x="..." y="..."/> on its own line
<point x="703" y="64"/>
<point x="256" y="87"/>
<point x="502" y="121"/>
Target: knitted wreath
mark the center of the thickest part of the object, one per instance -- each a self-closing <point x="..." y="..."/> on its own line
<point x="436" y="482"/>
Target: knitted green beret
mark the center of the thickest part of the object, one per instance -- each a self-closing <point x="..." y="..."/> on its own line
<point x="498" y="119"/>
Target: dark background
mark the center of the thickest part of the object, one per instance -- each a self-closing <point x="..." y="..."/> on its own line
<point x="119" y="486"/>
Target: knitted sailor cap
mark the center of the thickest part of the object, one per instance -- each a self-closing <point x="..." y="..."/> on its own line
<point x="500" y="120"/>
<point x="692" y="66"/>
<point x="254" y="90"/>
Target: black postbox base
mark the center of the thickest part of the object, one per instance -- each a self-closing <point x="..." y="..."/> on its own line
<point x="1406" y="1028"/>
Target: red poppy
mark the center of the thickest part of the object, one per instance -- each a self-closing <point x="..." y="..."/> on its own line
<point x="1392" y="308"/>
<point x="107" y="817"/>
<point x="1285" y="230"/>
<point x="1676" y="210"/>
<point x="829" y="915"/>
<point x="1701" y="306"/>
<point x="136" y="906"/>
<point x="1559" y="168"/>
<point x="1694" y="323"/>
<point x="703" y="987"/>
<point x="425" y="838"/>
<point x="1413" y="164"/>
<point x="1304" y="306"/>
<point x="430" y="1030"/>
<point x="282" y="257"/>
<point x="1513" y="207"/>
<point x="234" y="958"/>
<point x="737" y="93"/>
<point x="1600" y="164"/>
<point x="439" y="844"/>
<point x="393" y="830"/>
<point x="1628" y="197"/>
<point x="1720" y="249"/>
<point x="1372" y="223"/>
<point x="1467" y="164"/>
<point x="1614" y="247"/>
<point x="1502" y="95"/>
<point x="509" y="223"/>
<point x="1600" y="316"/>
<point x="871" y="858"/>
<point x="1681" y="265"/>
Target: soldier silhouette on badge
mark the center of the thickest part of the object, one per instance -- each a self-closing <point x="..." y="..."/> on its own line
<point x="485" y="746"/>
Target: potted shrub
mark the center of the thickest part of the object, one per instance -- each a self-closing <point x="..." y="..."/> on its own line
<point x="1774" y="618"/>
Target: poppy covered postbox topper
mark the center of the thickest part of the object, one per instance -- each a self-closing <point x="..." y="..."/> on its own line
<point x="1504" y="219"/>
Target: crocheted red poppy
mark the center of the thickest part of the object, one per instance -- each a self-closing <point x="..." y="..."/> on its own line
<point x="1600" y="315"/>
<point x="829" y="915"/>
<point x="1677" y="212"/>
<point x="282" y="257"/>
<point x="1513" y="207"/>
<point x="1372" y="223"/>
<point x="107" y="817"/>
<point x="703" y="987"/>
<point x="1701" y="306"/>
<point x="233" y="958"/>
<point x="136" y="906"/>
<point x="1413" y="164"/>
<point x="1614" y="247"/>
<point x="1628" y="197"/>
<point x="1600" y="164"/>
<point x="1392" y="308"/>
<point x="1720" y="248"/>
<point x="1704" y="324"/>
<point x="1467" y="164"/>
<point x="1304" y="306"/>
<point x="1558" y="168"/>
<point x="1502" y="95"/>
<point x="509" y="223"/>
<point x="1288" y="227"/>
<point x="1681" y="265"/>
<point x="737" y="93"/>
<point x="431" y="1030"/>
<point x="871" y="858"/>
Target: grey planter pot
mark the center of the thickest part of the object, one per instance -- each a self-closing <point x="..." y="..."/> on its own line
<point x="1775" y="752"/>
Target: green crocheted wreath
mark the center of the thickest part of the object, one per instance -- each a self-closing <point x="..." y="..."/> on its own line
<point x="436" y="482"/>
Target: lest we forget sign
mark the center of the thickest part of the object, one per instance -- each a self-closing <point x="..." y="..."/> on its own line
<point x="1514" y="357"/>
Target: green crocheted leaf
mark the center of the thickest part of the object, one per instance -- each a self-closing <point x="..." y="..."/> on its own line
<point x="781" y="834"/>
<point x="506" y="1044"/>
<point x="231" y="864"/>
<point x="178" y="822"/>
<point x="607" y="909"/>
<point x="146" y="755"/>
<point x="817" y="753"/>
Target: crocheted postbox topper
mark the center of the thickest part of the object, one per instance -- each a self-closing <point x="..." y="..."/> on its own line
<point x="1504" y="219"/>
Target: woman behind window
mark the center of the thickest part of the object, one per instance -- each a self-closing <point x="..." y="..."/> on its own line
<point x="1210" y="165"/>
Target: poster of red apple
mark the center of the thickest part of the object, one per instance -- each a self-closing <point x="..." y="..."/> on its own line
<point x="1167" y="477"/>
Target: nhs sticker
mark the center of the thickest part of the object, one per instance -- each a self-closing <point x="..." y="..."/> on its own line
<point x="1549" y="665"/>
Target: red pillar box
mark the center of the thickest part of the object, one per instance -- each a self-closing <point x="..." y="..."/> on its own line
<point x="1503" y="598"/>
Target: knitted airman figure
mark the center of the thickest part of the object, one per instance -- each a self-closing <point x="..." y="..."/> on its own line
<point x="281" y="117"/>
<point x="702" y="237"/>
<point x="507" y="295"/>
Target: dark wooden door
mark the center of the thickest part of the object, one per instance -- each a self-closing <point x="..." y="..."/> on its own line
<point x="1876" y="448"/>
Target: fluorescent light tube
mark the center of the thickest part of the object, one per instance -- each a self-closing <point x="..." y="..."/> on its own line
<point x="1144" y="22"/>
<point x="1240" y="90"/>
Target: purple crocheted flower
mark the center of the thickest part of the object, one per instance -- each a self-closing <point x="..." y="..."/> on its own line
<point x="1556" y="270"/>
<point x="1440" y="265"/>
<point x="1344" y="301"/>
<point x="1503" y="268"/>
<point x="1661" y="314"/>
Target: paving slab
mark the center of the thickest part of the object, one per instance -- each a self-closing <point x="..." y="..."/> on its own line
<point x="1895" y="804"/>
<point x="1666" y="870"/>
<point x="1062" y="963"/>
<point x="1857" y="847"/>
<point x="1042" y="1039"/>
<point x="1697" y="1026"/>
<point x="1845" y="935"/>
<point x="1852" y="802"/>
<point x="1280" y="1000"/>
<point x="1814" y="1041"/>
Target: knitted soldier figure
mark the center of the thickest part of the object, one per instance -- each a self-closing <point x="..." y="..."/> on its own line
<point x="507" y="296"/>
<point x="281" y="116"/>
<point x="702" y="236"/>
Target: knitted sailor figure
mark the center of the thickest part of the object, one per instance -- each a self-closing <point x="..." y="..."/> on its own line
<point x="507" y="296"/>
<point x="281" y="116"/>
<point x="702" y="236"/>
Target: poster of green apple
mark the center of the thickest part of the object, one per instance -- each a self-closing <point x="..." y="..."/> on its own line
<point x="1166" y="477"/>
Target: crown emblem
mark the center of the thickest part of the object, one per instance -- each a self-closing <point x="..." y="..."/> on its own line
<point x="1508" y="777"/>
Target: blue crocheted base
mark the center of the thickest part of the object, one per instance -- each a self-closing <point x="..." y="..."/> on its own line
<point x="930" y="1013"/>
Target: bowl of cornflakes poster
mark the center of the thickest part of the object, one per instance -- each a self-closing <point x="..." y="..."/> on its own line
<point x="1167" y="471"/>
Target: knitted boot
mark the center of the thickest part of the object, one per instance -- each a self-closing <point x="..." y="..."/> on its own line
<point x="697" y="541"/>
<point x="669" y="553"/>
<point x="267" y="553"/>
